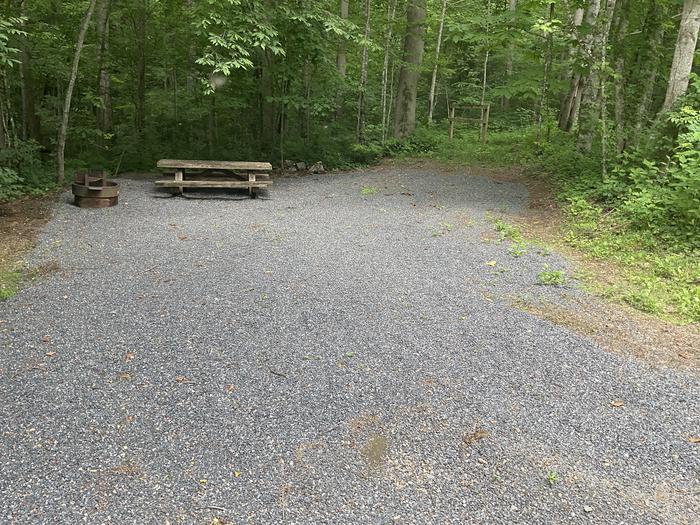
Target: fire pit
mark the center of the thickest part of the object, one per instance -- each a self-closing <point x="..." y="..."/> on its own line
<point x="93" y="190"/>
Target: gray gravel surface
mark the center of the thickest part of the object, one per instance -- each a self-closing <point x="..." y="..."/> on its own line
<point x="323" y="356"/>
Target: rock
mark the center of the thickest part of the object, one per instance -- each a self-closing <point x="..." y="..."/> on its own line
<point x="588" y="508"/>
<point x="301" y="166"/>
<point x="289" y="164"/>
<point x="317" y="168"/>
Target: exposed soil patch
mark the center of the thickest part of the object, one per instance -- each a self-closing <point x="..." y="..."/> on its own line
<point x="20" y="223"/>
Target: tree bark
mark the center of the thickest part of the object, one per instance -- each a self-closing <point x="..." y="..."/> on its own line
<point x="391" y="14"/>
<point x="620" y="76"/>
<point x="568" y="114"/>
<point x="414" y="44"/>
<point x="104" y="112"/>
<point x="684" y="54"/>
<point x="363" y="74"/>
<point x="140" y="30"/>
<point x="438" y="45"/>
<point x="545" y="76"/>
<point x="512" y="7"/>
<point x="342" y="58"/>
<point x="600" y="18"/>
<point x="30" y="121"/>
<point x="649" y="73"/>
<point x="63" y="130"/>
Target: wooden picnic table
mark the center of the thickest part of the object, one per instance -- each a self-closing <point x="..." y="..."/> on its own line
<point x="215" y="174"/>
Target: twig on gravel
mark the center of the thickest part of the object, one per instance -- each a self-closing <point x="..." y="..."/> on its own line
<point x="215" y="507"/>
<point x="149" y="269"/>
<point x="280" y="374"/>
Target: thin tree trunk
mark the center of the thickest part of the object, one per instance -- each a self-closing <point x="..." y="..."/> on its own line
<point x="512" y="7"/>
<point x="569" y="109"/>
<point x="61" y="145"/>
<point x="590" y="96"/>
<point x="545" y="76"/>
<point x="30" y="121"/>
<point x="363" y="74"/>
<point x="414" y="44"/>
<point x="620" y="71"/>
<point x="140" y="29"/>
<point x="211" y="128"/>
<point x="341" y="57"/>
<point x="104" y="112"/>
<point x="385" y="71"/>
<point x="433" y="80"/>
<point x="649" y="73"/>
<point x="684" y="54"/>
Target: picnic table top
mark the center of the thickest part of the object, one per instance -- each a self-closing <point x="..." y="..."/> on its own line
<point x="214" y="165"/>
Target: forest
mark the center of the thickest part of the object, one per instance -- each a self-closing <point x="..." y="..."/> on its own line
<point x="597" y="98"/>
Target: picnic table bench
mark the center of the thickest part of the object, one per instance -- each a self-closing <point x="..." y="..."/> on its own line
<point x="215" y="174"/>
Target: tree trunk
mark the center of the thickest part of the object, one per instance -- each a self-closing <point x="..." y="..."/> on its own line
<point x="30" y="121"/>
<point x="433" y="80"/>
<point x="104" y="112"/>
<point x="342" y="58"/>
<point x="512" y="7"/>
<point x="684" y="54"/>
<point x="140" y="30"/>
<point x="620" y="76"/>
<point x="363" y="74"/>
<point x="649" y="73"/>
<point x="599" y="19"/>
<point x="545" y="76"/>
<point x="414" y="43"/>
<point x="568" y="114"/>
<point x="61" y="145"/>
<point x="385" y="71"/>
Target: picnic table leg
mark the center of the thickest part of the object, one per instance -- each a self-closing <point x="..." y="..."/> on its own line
<point x="252" y="191"/>
<point x="179" y="176"/>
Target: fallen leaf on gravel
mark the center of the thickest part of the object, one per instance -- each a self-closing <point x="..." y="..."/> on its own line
<point x="237" y="473"/>
<point x="694" y="439"/>
<point x="203" y="481"/>
<point x="129" y="356"/>
<point x="617" y="403"/>
<point x="230" y="389"/>
<point x="46" y="339"/>
<point x="126" y="376"/>
<point x="182" y="237"/>
<point x="491" y="263"/>
<point x="184" y="380"/>
<point x="50" y="354"/>
<point x="349" y="354"/>
<point x="477" y="435"/>
<point x="684" y="355"/>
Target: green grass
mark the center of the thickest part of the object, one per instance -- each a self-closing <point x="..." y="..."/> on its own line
<point x="654" y="279"/>
<point x="368" y="190"/>
<point x="9" y="284"/>
<point x="549" y="277"/>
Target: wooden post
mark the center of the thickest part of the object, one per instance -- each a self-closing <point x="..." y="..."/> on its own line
<point x="251" y="190"/>
<point x="179" y="176"/>
<point x="452" y="122"/>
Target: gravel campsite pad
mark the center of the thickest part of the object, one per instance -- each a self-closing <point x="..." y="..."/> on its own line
<point x="346" y="350"/>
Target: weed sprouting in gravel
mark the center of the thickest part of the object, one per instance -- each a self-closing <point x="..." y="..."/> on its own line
<point x="549" y="277"/>
<point x="367" y="191"/>
<point x="552" y="478"/>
